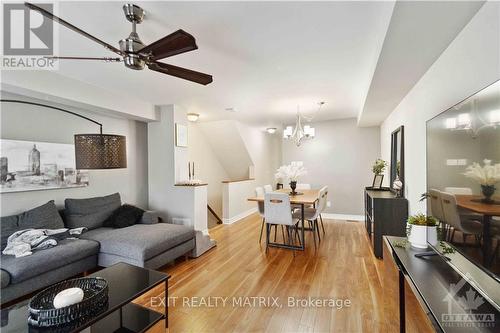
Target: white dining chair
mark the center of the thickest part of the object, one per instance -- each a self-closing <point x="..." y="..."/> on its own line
<point x="303" y="186"/>
<point x="313" y="214"/>
<point x="452" y="217"/>
<point x="277" y="211"/>
<point x="437" y="208"/>
<point x="458" y="190"/>
<point x="268" y="188"/>
<point x="259" y="192"/>
<point x="465" y="214"/>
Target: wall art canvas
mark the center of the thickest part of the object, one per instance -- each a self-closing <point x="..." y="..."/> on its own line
<point x="33" y="166"/>
<point x="181" y="135"/>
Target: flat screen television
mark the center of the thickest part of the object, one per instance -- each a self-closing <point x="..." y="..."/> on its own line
<point x="463" y="159"/>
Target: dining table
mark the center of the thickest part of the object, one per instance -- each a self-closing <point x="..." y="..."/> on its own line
<point x="475" y="204"/>
<point x="303" y="198"/>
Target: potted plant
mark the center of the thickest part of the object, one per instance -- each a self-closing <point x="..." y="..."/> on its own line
<point x="292" y="172"/>
<point x="422" y="229"/>
<point x="487" y="176"/>
<point x="378" y="168"/>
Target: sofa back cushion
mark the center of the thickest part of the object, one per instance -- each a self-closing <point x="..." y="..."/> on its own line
<point x="43" y="217"/>
<point x="90" y="213"/>
<point x="8" y="226"/>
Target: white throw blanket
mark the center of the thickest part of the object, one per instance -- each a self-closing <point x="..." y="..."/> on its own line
<point x="23" y="242"/>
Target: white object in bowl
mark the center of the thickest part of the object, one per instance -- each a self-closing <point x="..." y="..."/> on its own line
<point x="68" y="297"/>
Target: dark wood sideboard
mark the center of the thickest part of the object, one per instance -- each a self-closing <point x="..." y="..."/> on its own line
<point x="385" y="214"/>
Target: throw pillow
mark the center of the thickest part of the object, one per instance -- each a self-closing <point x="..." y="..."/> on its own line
<point x="125" y="216"/>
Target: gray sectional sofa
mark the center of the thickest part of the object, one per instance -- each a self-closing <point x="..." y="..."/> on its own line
<point x="150" y="244"/>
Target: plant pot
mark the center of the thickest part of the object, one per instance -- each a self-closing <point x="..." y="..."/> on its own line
<point x="488" y="191"/>
<point x="293" y="186"/>
<point x="420" y="235"/>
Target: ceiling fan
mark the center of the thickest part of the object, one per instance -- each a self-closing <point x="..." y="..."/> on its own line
<point x="134" y="53"/>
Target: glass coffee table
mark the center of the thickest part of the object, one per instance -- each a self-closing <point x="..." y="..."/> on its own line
<point x="125" y="283"/>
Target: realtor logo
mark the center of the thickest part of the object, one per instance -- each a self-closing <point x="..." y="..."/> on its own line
<point x="471" y="303"/>
<point x="27" y="32"/>
<point x="28" y="38"/>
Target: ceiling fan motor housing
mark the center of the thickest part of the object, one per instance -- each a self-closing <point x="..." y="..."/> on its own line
<point x="132" y="44"/>
<point x="133" y="13"/>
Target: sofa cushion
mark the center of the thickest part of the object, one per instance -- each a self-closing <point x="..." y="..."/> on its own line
<point x="124" y="216"/>
<point x="41" y="261"/>
<point x="43" y="217"/>
<point x="8" y="225"/>
<point x="5" y="278"/>
<point x="140" y="241"/>
<point x="150" y="217"/>
<point x="91" y="212"/>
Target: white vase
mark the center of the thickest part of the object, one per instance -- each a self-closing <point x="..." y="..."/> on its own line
<point x="420" y="235"/>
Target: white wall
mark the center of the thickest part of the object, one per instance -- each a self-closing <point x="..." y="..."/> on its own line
<point x="31" y="123"/>
<point x="208" y="169"/>
<point x="227" y="144"/>
<point x="236" y="205"/>
<point x="340" y="156"/>
<point x="264" y="150"/>
<point x="470" y="63"/>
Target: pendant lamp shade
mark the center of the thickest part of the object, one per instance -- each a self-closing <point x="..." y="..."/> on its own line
<point x="100" y="151"/>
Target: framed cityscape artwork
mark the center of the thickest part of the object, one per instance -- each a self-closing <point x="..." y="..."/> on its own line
<point x="33" y="166"/>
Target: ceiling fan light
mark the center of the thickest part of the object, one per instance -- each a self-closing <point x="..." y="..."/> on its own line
<point x="193" y="117"/>
<point x="100" y="151"/>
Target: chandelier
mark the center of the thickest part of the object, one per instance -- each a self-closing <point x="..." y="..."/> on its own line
<point x="300" y="132"/>
<point x="473" y="122"/>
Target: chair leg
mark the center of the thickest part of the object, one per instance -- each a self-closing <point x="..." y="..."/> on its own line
<point x="452" y="236"/>
<point x="283" y="233"/>
<point x="495" y="253"/>
<point x="267" y="236"/>
<point x="297" y="234"/>
<point x="322" y="225"/>
<point x="261" y="228"/>
<point x="314" y="235"/>
<point x="316" y="225"/>
<point x="275" y="231"/>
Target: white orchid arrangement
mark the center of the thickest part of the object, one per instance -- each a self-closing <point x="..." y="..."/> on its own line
<point x="291" y="172"/>
<point x="489" y="174"/>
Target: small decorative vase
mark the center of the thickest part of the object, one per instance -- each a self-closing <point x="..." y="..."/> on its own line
<point x="488" y="191"/>
<point x="293" y="186"/>
<point x="420" y="235"/>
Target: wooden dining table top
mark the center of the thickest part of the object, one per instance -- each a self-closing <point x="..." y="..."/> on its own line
<point x="465" y="201"/>
<point x="308" y="197"/>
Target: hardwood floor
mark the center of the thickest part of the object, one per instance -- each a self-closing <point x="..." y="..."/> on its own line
<point x="343" y="267"/>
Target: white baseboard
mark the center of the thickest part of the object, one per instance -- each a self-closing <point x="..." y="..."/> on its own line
<point x="238" y="217"/>
<point x="330" y="216"/>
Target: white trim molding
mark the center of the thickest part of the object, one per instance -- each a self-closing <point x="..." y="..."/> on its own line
<point x="330" y="216"/>
<point x="240" y="216"/>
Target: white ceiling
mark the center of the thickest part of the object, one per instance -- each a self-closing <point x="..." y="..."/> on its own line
<point x="417" y="35"/>
<point x="266" y="57"/>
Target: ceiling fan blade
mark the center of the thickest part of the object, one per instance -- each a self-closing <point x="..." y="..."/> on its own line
<point x="109" y="59"/>
<point x="175" y="43"/>
<point x="71" y="27"/>
<point x="180" y="72"/>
